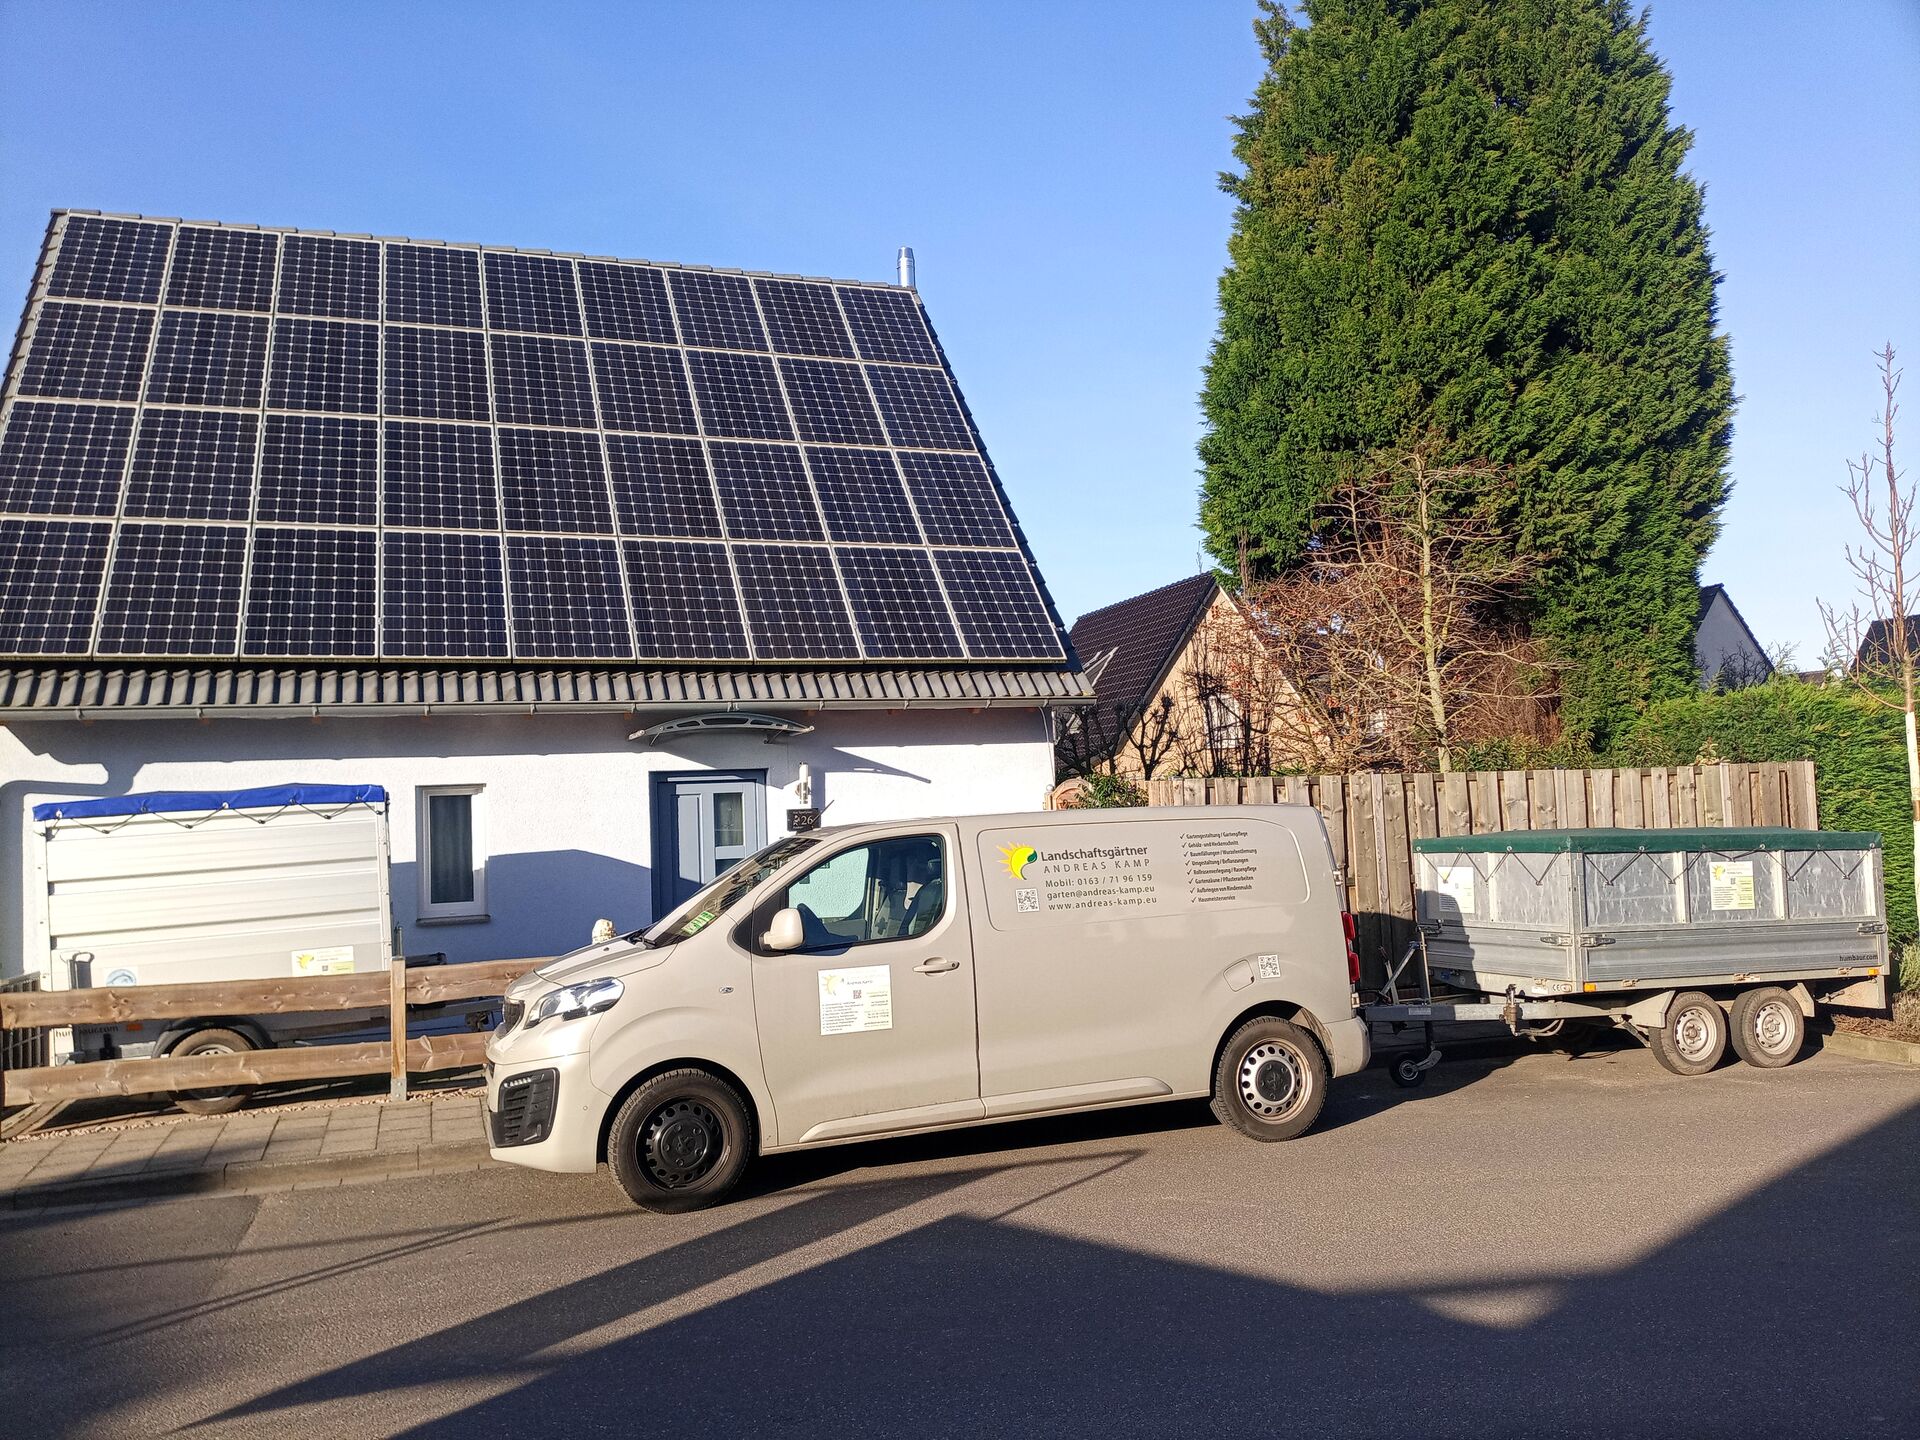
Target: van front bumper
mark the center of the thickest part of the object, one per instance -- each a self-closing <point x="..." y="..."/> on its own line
<point x="1349" y="1046"/>
<point x="545" y="1113"/>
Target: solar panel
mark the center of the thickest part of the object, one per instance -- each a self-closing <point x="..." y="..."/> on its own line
<point x="540" y="381"/>
<point x="433" y="285"/>
<point x="803" y="318"/>
<point x="662" y="486"/>
<point x="220" y="269"/>
<point x="739" y="395"/>
<point x="792" y="602"/>
<point x="440" y="477"/>
<point x="204" y="358"/>
<point x="643" y="387"/>
<point x="320" y="275"/>
<point x="298" y="446"/>
<point x="552" y="480"/>
<point x="442" y="597"/>
<point x="63" y="459"/>
<point x="764" y="493"/>
<point x="325" y="365"/>
<point x="1001" y="611"/>
<point x="102" y="259"/>
<point x="193" y="465"/>
<point x="312" y="592"/>
<point x="716" y="310"/>
<point x="531" y="292"/>
<point x="568" y="601"/>
<point x="627" y="302"/>
<point x="87" y="352"/>
<point x="320" y="470"/>
<point x="897" y="604"/>
<point x="685" y="606"/>
<point x="50" y="575"/>
<point x="173" y="590"/>
<point x="830" y="402"/>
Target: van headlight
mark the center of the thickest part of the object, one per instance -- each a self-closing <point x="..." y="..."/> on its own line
<point x="572" y="1002"/>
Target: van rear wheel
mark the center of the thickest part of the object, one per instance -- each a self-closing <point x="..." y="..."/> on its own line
<point x="680" y="1141"/>
<point x="212" y="1102"/>
<point x="1271" y="1080"/>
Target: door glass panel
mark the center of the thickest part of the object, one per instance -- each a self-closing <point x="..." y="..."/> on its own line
<point x="890" y="890"/>
<point x="729" y="820"/>
<point x="449" y="849"/>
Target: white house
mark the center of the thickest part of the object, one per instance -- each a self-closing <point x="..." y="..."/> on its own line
<point x="609" y="571"/>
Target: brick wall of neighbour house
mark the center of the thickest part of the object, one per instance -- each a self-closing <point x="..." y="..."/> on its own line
<point x="565" y="826"/>
<point x="1221" y="658"/>
<point x="1372" y="818"/>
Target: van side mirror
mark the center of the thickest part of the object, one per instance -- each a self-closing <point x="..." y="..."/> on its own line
<point x="784" y="931"/>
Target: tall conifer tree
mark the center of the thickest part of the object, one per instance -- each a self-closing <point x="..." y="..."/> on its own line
<point x="1465" y="223"/>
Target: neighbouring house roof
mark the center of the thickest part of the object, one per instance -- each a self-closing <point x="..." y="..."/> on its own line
<point x="68" y="693"/>
<point x="1128" y="647"/>
<point x="1709" y="594"/>
<point x="1876" y="646"/>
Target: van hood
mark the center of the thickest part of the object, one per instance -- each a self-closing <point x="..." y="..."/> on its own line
<point x="615" y="958"/>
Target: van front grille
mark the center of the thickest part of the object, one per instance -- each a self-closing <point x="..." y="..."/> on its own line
<point x="525" y="1113"/>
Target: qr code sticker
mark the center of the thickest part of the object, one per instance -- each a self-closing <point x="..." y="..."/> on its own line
<point x="1269" y="966"/>
<point x="1028" y="900"/>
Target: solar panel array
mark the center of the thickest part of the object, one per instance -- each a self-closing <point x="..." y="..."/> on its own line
<point x="274" y="445"/>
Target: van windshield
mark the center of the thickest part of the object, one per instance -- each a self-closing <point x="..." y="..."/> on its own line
<point x="724" y="893"/>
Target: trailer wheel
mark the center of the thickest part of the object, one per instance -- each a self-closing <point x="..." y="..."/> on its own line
<point x="1271" y="1080"/>
<point x="1694" y="1039"/>
<point x="1768" y="1028"/>
<point x="680" y="1142"/>
<point x="212" y="1042"/>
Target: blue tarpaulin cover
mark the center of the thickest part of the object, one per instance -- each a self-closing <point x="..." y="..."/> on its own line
<point x="200" y="802"/>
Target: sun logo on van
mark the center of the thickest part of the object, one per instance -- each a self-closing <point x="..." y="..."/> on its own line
<point x="1016" y="858"/>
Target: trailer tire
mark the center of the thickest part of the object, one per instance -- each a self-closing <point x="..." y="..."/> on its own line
<point x="1768" y="1028"/>
<point x="1694" y="1039"/>
<point x="1270" y="1081"/>
<point x="680" y="1141"/>
<point x="212" y="1042"/>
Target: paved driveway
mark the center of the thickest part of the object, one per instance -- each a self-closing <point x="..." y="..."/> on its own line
<point x="1541" y="1247"/>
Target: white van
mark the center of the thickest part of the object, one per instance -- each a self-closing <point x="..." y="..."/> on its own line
<point x="882" y="979"/>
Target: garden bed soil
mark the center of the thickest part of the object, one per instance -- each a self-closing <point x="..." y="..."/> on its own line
<point x="1904" y="1024"/>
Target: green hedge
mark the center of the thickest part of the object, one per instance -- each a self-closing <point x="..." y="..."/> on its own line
<point x="1856" y="745"/>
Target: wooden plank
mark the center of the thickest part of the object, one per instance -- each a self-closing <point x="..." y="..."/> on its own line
<point x="1513" y="801"/>
<point x="1543" y="799"/>
<point x="1739" y="794"/>
<point x="1770" y="804"/>
<point x="1424" y="806"/>
<point x="436" y="984"/>
<point x="1160" y="792"/>
<point x="1393" y="824"/>
<point x="26" y="1009"/>
<point x="1573" y="798"/>
<point x="158" y="1077"/>
<point x="1332" y="801"/>
<point x="1686" y="796"/>
<point x="1456" y="806"/>
<point x="1660" y="792"/>
<point x="1713" y="795"/>
<point x="1484" y="808"/>
<point x="427" y="1053"/>
<point x="1363" y="861"/>
<point x="397" y="1028"/>
<point x="1627" y="813"/>
<point x="1258" y="790"/>
<point x="1805" y="800"/>
<point x="1295" y="790"/>
<point x="1600" y="812"/>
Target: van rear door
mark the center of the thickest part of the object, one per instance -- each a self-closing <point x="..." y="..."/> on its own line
<point x="870" y="1026"/>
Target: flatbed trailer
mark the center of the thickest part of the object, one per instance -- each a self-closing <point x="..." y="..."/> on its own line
<point x="1688" y="940"/>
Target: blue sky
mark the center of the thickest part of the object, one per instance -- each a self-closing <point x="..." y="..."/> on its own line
<point x="1052" y="164"/>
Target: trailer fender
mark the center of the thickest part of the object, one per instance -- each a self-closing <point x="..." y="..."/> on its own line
<point x="1802" y="997"/>
<point x="180" y="1030"/>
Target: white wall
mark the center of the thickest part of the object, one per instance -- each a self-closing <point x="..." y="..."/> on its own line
<point x="566" y="811"/>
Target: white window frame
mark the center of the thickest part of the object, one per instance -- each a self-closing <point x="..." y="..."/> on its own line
<point x="476" y="908"/>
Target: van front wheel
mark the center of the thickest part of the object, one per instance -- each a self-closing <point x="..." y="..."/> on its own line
<point x="1271" y="1080"/>
<point x="679" y="1142"/>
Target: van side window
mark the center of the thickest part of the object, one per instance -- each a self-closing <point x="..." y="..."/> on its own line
<point x="890" y="890"/>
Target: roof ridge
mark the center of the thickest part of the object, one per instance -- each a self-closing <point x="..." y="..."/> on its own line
<point x="1149" y="594"/>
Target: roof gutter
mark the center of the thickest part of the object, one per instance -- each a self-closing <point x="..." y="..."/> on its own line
<point x="423" y="710"/>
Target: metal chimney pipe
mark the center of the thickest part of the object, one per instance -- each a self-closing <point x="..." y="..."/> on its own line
<point x="906" y="266"/>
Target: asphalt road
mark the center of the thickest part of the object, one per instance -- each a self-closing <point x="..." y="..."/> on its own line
<point x="1541" y="1247"/>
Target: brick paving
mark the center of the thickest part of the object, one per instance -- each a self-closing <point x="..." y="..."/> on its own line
<point x="248" y="1150"/>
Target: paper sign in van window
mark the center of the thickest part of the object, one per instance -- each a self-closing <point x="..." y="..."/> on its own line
<point x="1730" y="885"/>
<point x="1064" y="874"/>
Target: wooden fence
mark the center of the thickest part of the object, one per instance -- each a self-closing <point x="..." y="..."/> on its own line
<point x="392" y="991"/>
<point x="1373" y="818"/>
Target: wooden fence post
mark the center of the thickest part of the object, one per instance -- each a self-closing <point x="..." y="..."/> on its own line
<point x="397" y="1025"/>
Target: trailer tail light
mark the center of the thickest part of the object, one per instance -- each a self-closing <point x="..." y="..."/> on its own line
<point x="1352" y="932"/>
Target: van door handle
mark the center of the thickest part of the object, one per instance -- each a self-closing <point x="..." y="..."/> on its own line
<point x="936" y="966"/>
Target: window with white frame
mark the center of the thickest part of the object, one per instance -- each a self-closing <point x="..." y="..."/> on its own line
<point x="453" y="852"/>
